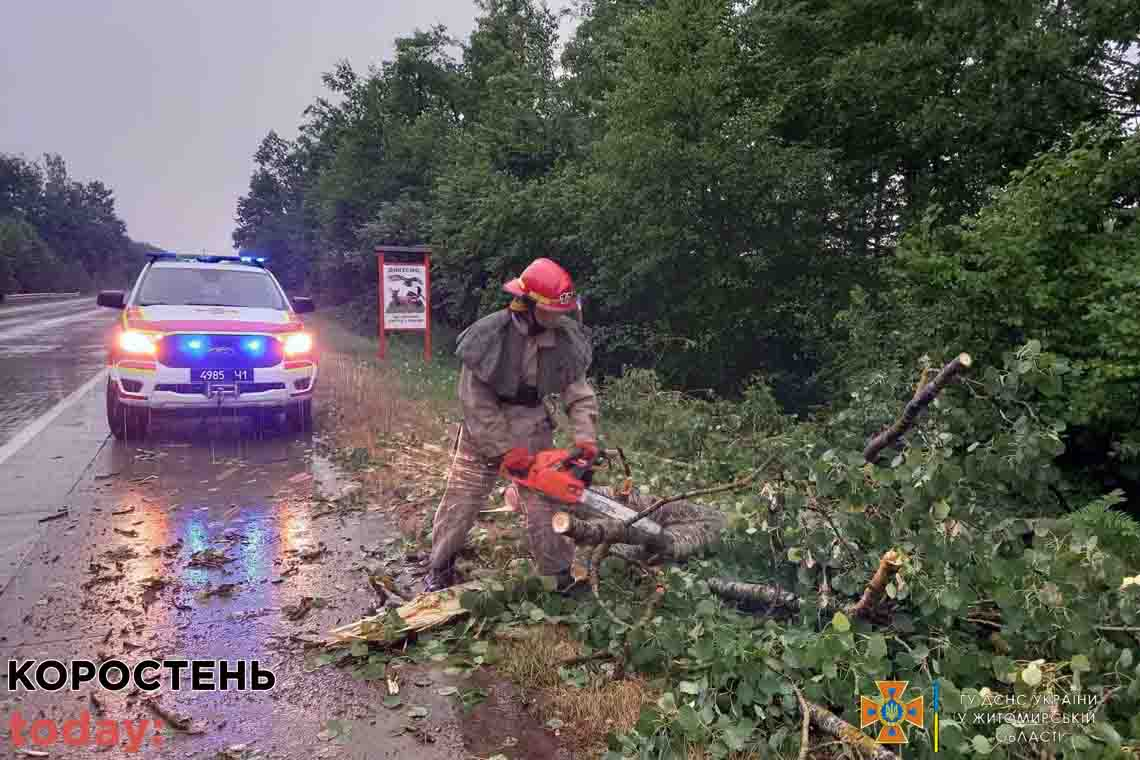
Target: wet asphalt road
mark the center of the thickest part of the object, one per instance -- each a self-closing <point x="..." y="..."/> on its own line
<point x="115" y="578"/>
<point x="47" y="350"/>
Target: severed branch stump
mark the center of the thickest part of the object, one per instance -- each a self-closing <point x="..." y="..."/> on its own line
<point x="889" y="565"/>
<point x="914" y="407"/>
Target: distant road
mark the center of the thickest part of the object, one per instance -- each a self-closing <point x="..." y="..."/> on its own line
<point x="47" y="350"/>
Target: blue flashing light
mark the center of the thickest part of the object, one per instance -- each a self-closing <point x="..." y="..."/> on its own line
<point x="254" y="346"/>
<point x="194" y="344"/>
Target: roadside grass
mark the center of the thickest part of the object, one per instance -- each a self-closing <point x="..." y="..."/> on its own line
<point x="591" y="707"/>
<point x="389" y="423"/>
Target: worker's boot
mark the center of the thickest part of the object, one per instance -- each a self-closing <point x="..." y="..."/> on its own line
<point x="440" y="578"/>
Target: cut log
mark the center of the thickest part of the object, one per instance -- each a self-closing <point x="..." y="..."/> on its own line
<point x="687" y="528"/>
<point x="424" y="612"/>
<point x="915" y="406"/>
<point x="594" y="532"/>
<point x="753" y="592"/>
<point x="601" y="504"/>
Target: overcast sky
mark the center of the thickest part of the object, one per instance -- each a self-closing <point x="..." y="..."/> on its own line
<point x="166" y="101"/>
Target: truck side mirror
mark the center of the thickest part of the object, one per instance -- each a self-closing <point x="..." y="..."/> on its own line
<point x="113" y="299"/>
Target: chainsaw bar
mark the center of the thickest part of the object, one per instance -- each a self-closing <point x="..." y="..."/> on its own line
<point x="594" y="504"/>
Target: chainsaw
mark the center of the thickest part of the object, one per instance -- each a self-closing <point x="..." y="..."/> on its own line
<point x="564" y="475"/>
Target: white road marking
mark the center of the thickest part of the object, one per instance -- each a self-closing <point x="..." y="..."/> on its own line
<point x="21" y="439"/>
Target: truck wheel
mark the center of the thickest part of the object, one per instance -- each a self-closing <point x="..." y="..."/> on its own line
<point x="299" y="416"/>
<point x="126" y="423"/>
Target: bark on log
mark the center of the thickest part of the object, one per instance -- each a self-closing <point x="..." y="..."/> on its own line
<point x="596" y="532"/>
<point x="688" y="528"/>
<point x="915" y="406"/>
<point x="832" y="725"/>
<point x="889" y="565"/>
<point x="753" y="592"/>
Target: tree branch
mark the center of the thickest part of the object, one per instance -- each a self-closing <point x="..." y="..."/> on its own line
<point x="915" y="406"/>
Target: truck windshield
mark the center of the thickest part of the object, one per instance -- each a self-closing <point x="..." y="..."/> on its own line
<point x="209" y="287"/>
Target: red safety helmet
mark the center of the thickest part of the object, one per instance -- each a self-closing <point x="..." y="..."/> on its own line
<point x="547" y="284"/>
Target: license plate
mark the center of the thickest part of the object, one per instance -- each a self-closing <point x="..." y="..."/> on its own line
<point x="223" y="375"/>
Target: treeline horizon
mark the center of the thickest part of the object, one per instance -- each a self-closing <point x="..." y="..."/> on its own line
<point x="58" y="234"/>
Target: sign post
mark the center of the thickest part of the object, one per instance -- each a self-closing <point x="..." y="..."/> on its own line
<point x="404" y="292"/>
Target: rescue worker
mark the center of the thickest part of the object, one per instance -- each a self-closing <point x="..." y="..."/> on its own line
<point x="512" y="360"/>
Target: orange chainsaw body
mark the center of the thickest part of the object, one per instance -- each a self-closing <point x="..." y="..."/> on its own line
<point x="553" y="475"/>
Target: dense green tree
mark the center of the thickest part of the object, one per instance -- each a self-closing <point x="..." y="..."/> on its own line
<point x="1055" y="257"/>
<point x="719" y="176"/>
<point x="60" y="234"/>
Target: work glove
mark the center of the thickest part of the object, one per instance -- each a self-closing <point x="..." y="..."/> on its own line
<point x="517" y="462"/>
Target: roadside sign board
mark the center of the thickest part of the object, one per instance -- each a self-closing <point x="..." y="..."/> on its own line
<point x="404" y="293"/>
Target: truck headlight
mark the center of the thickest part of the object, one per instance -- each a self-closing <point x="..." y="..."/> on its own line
<point x="298" y="344"/>
<point x="134" y="342"/>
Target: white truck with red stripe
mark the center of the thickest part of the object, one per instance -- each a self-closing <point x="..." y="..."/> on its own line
<point x="208" y="333"/>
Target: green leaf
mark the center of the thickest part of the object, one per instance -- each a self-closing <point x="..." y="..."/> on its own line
<point x="982" y="745"/>
<point x="876" y="647"/>
<point x="359" y="649"/>
<point x="690" y="723"/>
<point x="745" y="694"/>
<point x="1107" y="734"/>
<point x="840" y="622"/>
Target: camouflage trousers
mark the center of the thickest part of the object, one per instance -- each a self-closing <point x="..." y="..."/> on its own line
<point x="470" y="482"/>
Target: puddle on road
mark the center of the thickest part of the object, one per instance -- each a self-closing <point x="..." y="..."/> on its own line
<point x="209" y="549"/>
